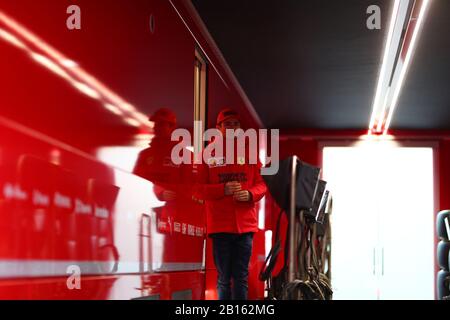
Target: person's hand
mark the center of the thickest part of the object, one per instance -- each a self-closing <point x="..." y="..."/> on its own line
<point x="169" y="195"/>
<point x="232" y="187"/>
<point x="242" y="196"/>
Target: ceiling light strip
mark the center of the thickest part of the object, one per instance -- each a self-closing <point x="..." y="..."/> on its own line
<point x="387" y="49"/>
<point x="417" y="28"/>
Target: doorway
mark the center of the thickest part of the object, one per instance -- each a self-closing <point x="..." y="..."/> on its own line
<point x="382" y="220"/>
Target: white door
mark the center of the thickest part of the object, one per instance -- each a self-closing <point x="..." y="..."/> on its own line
<point x="407" y="231"/>
<point x="382" y="222"/>
<point x="354" y="223"/>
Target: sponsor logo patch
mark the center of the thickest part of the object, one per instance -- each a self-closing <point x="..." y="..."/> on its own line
<point x="216" y="162"/>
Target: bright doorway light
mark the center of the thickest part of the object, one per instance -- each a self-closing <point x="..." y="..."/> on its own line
<point x="382" y="221"/>
<point x="120" y="157"/>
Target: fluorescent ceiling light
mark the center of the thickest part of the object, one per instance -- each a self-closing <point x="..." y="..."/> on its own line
<point x="387" y="49"/>
<point x="409" y="14"/>
<point x="407" y="63"/>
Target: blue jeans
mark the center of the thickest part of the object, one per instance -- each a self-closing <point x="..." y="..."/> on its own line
<point x="232" y="253"/>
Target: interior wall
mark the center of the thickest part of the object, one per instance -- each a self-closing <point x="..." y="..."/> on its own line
<point x="444" y="175"/>
<point x="307" y="149"/>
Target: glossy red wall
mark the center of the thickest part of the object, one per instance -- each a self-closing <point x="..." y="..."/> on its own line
<point x="67" y="95"/>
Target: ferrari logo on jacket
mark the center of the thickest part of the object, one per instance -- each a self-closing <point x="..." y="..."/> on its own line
<point x="216" y="162"/>
<point x="224" y="213"/>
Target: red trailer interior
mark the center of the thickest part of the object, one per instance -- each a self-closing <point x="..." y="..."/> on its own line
<point x="74" y="114"/>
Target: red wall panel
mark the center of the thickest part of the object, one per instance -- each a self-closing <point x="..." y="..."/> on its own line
<point x="444" y="175"/>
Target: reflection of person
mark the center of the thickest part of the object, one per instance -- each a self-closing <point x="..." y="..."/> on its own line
<point x="154" y="163"/>
<point x="172" y="183"/>
<point x="231" y="191"/>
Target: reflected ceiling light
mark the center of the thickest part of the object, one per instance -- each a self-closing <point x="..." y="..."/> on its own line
<point x="140" y="117"/>
<point x="102" y="89"/>
<point x="68" y="63"/>
<point x="30" y="37"/>
<point x="142" y="140"/>
<point x="127" y="107"/>
<point x="405" y="24"/>
<point x="133" y="122"/>
<point x="49" y="64"/>
<point x="144" y="136"/>
<point x="57" y="62"/>
<point x="86" y="90"/>
<point x="12" y="39"/>
<point x="114" y="109"/>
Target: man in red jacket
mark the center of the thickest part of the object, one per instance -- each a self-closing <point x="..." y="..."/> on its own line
<point x="181" y="218"/>
<point x="231" y="191"/>
<point x="154" y="163"/>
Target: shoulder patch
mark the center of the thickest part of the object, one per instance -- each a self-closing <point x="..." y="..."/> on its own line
<point x="216" y="162"/>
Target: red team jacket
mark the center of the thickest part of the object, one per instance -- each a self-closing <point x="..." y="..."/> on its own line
<point x="156" y="165"/>
<point x="224" y="214"/>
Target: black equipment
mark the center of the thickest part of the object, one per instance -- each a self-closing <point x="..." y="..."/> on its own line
<point x="443" y="255"/>
<point x="303" y="197"/>
<point x="307" y="179"/>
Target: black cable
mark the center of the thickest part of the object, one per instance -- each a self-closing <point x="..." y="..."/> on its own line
<point x="272" y="257"/>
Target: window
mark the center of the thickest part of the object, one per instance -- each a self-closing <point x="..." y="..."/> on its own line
<point x="200" y="85"/>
